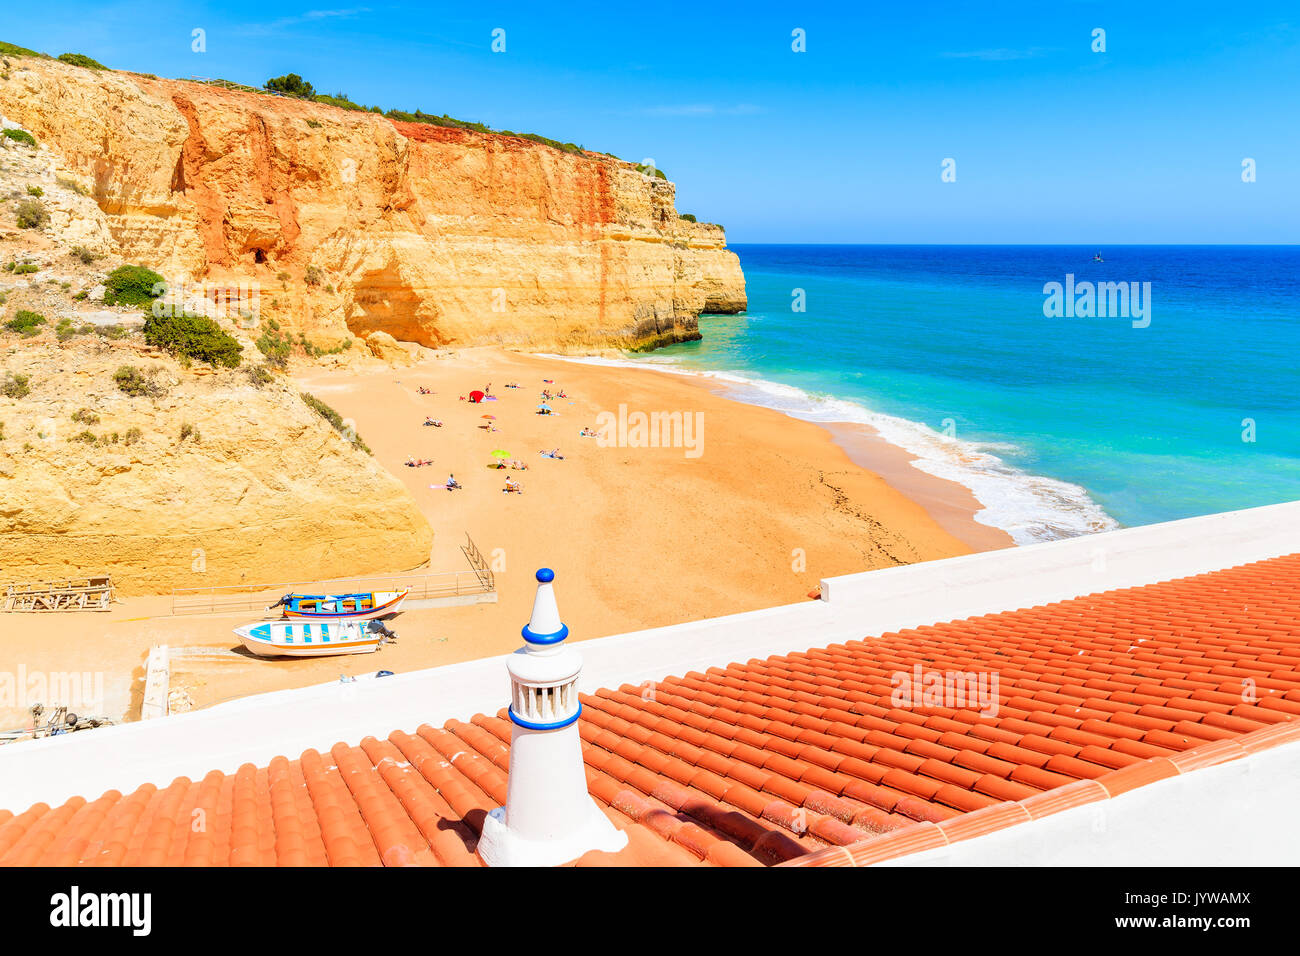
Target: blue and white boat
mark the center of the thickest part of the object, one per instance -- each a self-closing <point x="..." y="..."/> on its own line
<point x="342" y="607"/>
<point x="313" y="638"/>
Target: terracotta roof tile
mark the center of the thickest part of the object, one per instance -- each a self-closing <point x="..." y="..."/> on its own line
<point x="805" y="758"/>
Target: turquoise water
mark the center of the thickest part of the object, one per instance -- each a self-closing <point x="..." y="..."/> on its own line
<point x="1059" y="425"/>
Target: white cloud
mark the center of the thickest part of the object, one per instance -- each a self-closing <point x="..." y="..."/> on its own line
<point x="311" y="16"/>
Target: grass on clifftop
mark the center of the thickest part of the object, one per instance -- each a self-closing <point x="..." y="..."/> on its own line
<point x="335" y="420"/>
<point x="13" y="49"/>
<point x="75" y="59"/>
<point x="80" y="59"/>
<point x="293" y="85"/>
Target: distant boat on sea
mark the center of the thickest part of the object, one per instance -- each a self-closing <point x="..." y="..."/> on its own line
<point x="342" y="607"/>
<point x="313" y="638"/>
<point x="1098" y="258"/>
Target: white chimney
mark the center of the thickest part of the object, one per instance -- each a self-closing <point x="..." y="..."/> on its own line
<point x="549" y="817"/>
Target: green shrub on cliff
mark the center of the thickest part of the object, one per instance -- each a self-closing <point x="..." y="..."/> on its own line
<point x="80" y="59"/>
<point x="131" y="381"/>
<point x="68" y="183"/>
<point x="15" y="386"/>
<point x="31" y="214"/>
<point x="132" y="285"/>
<point x="19" y="136"/>
<point x="275" y="347"/>
<point x="25" y="323"/>
<point x="258" y="376"/>
<point x="291" y="84"/>
<point x="193" y="337"/>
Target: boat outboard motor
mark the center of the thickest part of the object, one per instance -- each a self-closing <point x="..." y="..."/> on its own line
<point x="378" y="627"/>
<point x="283" y="602"/>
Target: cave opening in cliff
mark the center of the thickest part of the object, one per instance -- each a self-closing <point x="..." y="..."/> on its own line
<point x="259" y="255"/>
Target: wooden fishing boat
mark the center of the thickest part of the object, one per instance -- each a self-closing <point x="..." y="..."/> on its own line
<point x="341" y="607"/>
<point x="313" y="638"/>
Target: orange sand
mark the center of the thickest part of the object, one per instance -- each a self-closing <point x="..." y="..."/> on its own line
<point x="638" y="537"/>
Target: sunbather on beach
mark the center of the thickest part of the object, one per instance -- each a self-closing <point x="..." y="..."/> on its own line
<point x="587" y="433"/>
<point x="452" y="483"/>
<point x="512" y="486"/>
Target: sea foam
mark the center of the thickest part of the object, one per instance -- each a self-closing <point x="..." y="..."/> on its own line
<point x="1031" y="508"/>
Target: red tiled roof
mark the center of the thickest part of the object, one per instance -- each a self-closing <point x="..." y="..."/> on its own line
<point x="797" y="758"/>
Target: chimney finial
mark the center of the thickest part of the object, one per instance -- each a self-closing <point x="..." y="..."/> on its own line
<point x="549" y="817"/>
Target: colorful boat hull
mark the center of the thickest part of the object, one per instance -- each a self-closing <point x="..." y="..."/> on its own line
<point x="309" y="638"/>
<point x="342" y="607"/>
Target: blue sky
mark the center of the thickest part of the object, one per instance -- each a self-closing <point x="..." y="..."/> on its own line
<point x="842" y="143"/>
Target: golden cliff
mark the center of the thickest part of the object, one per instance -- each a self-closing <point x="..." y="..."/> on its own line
<point x="210" y="481"/>
<point x="431" y="235"/>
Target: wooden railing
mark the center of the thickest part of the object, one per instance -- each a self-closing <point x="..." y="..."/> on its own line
<point x="82" y="594"/>
<point x="257" y="597"/>
<point x="479" y="563"/>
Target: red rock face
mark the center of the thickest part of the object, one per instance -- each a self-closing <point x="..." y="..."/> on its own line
<point x="434" y="235"/>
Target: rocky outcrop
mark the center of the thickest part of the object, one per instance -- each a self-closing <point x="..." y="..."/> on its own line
<point x="211" y="482"/>
<point x="432" y="235"/>
<point x="384" y="346"/>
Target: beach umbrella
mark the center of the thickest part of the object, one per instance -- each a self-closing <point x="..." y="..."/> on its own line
<point x="476" y="396"/>
<point x="490" y="417"/>
<point x="544" y="407"/>
<point x="501" y="453"/>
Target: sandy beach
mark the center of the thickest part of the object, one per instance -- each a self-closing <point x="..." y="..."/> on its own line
<point x="751" y="513"/>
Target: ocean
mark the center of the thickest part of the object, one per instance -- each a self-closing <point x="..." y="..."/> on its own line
<point x="1060" y="422"/>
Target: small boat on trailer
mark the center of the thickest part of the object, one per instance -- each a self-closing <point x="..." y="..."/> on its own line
<point x="341" y="607"/>
<point x="323" y="638"/>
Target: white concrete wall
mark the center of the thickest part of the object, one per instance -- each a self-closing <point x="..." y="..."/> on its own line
<point x="1241" y="813"/>
<point x="857" y="606"/>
